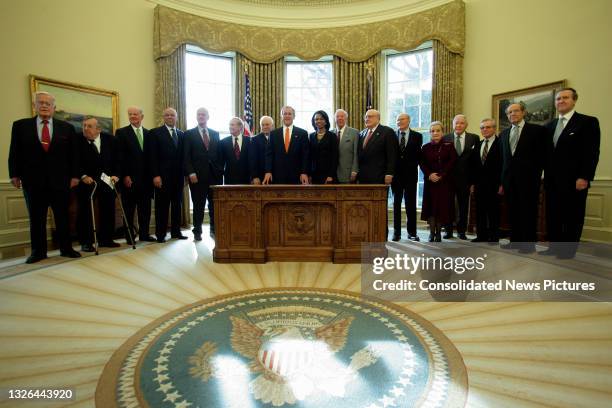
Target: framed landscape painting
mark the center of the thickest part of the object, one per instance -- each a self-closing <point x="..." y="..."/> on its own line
<point x="539" y="100"/>
<point x="73" y="102"/>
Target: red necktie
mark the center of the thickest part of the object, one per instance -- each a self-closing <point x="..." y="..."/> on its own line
<point x="367" y="139"/>
<point x="45" y="140"/>
<point x="205" y="139"/>
<point x="236" y="149"/>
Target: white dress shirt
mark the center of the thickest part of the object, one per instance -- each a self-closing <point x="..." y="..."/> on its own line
<point x="39" y="127"/>
<point x="239" y="141"/>
<point x="491" y="141"/>
<point x="461" y="140"/>
<point x="567" y="117"/>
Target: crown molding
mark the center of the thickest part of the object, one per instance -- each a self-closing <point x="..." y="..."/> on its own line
<point x="302" y="14"/>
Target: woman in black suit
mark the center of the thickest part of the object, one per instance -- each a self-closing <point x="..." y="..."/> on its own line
<point x="323" y="150"/>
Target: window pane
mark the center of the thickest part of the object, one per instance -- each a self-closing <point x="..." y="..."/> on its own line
<point x="409" y="81"/>
<point x="309" y="89"/>
<point x="209" y="84"/>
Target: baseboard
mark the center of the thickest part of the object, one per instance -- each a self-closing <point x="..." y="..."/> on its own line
<point x="15" y="228"/>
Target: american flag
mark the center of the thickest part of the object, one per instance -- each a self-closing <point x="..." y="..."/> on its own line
<point x="248" y="111"/>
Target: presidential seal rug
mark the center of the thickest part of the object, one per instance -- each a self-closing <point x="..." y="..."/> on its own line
<point x="286" y="348"/>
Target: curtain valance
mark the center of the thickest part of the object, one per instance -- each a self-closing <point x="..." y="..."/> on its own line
<point x="444" y="23"/>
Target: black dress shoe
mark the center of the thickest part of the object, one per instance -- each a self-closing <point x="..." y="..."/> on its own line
<point x="147" y="239"/>
<point x="179" y="236"/>
<point x="197" y="237"/>
<point x="462" y="236"/>
<point x="87" y="248"/>
<point x="161" y="240"/>
<point x="110" y="244"/>
<point x="35" y="258"/>
<point x="414" y="238"/>
<point x="70" y="253"/>
<point x="548" y="252"/>
<point x="438" y="237"/>
<point x="395" y="238"/>
<point x="432" y="238"/>
<point x="448" y="235"/>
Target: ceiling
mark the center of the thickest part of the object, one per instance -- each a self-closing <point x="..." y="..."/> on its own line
<point x="301" y="13"/>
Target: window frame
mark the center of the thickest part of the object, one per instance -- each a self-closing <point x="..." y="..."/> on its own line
<point x="428" y="45"/>
<point x="289" y="60"/>
<point x="194" y="49"/>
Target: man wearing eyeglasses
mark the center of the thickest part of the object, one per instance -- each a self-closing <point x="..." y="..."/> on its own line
<point x="43" y="161"/>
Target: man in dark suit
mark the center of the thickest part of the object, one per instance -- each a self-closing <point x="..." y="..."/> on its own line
<point x="257" y="159"/>
<point x="287" y="159"/>
<point x="485" y="180"/>
<point x="573" y="154"/>
<point x="43" y="160"/>
<point x="378" y="151"/>
<point x="234" y="154"/>
<point x="201" y="161"/>
<point x="404" y="184"/>
<point x="98" y="155"/>
<point x="134" y="143"/>
<point x="523" y="154"/>
<point x="464" y="143"/>
<point x="168" y="176"/>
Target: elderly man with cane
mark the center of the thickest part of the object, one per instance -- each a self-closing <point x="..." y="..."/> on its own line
<point x="98" y="154"/>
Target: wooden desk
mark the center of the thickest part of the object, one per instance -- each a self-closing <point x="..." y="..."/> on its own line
<point x="257" y="224"/>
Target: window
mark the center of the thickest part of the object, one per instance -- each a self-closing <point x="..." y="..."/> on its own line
<point x="408" y="89"/>
<point x="209" y="83"/>
<point x="309" y="88"/>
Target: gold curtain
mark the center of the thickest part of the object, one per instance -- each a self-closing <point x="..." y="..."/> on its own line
<point x="351" y="84"/>
<point x="170" y="92"/>
<point x="447" y="87"/>
<point x="170" y="85"/>
<point x="445" y="23"/>
<point x="267" y="88"/>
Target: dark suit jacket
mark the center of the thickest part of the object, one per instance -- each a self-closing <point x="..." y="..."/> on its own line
<point x="93" y="164"/>
<point x="462" y="165"/>
<point x="197" y="159"/>
<point x="487" y="176"/>
<point x="286" y="167"/>
<point x="323" y="157"/>
<point x="134" y="161"/>
<point x="257" y="158"/>
<point x="525" y="167"/>
<point x="576" y="154"/>
<point x="40" y="169"/>
<point x="167" y="158"/>
<point x="235" y="171"/>
<point x="406" y="170"/>
<point x="379" y="156"/>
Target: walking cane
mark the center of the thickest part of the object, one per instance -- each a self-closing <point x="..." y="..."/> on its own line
<point x="93" y="216"/>
<point x="129" y="230"/>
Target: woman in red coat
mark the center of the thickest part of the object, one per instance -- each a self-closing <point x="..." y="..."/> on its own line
<point x="437" y="161"/>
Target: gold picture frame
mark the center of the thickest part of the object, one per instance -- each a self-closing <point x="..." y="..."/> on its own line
<point x="540" y="102"/>
<point x="74" y="101"/>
